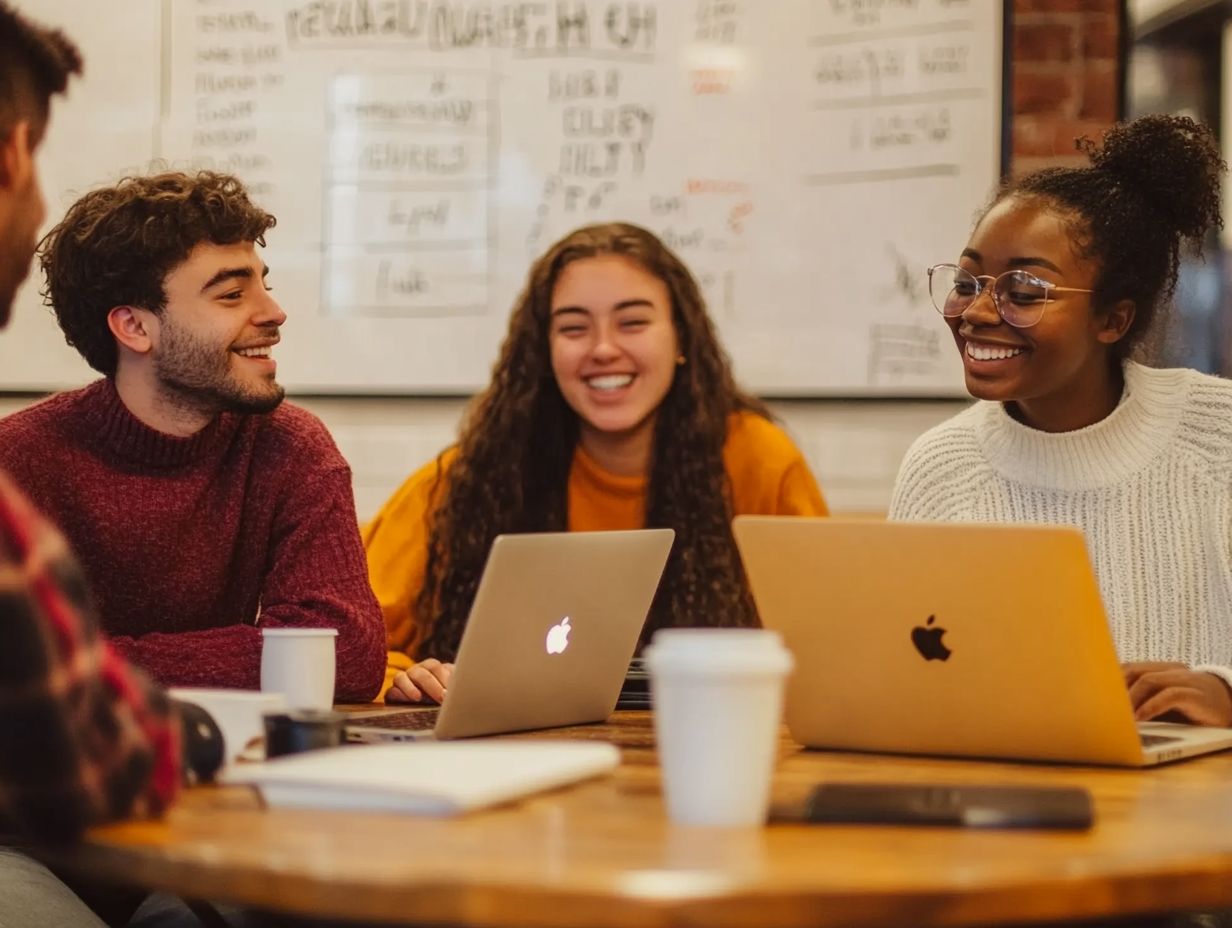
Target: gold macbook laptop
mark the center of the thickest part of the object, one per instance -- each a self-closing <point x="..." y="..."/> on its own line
<point x="553" y="625"/>
<point x="956" y="638"/>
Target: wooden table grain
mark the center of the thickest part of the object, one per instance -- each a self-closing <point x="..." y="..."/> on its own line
<point x="604" y="854"/>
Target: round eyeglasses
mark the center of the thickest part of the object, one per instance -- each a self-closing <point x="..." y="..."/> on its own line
<point x="1019" y="296"/>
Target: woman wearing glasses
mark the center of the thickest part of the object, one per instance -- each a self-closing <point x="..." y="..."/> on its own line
<point x="612" y="406"/>
<point x="1062" y="279"/>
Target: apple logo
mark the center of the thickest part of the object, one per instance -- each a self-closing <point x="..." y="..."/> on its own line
<point x="927" y="641"/>
<point x="558" y="637"/>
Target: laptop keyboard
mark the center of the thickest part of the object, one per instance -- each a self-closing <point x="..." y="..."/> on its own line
<point x="416" y="720"/>
<point x="635" y="693"/>
<point x="1150" y="741"/>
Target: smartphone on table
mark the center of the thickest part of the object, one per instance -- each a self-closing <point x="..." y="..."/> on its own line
<point x="941" y="804"/>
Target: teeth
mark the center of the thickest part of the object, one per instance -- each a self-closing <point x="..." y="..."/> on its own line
<point x="610" y="381"/>
<point x="253" y="352"/>
<point x="984" y="353"/>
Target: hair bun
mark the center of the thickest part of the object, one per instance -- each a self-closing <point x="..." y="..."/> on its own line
<point x="1171" y="163"/>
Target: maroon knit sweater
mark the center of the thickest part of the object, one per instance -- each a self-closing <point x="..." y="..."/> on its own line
<point x="185" y="541"/>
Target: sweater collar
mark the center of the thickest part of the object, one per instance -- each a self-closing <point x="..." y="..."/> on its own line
<point x="1119" y="445"/>
<point x="128" y="438"/>
<point x="604" y="481"/>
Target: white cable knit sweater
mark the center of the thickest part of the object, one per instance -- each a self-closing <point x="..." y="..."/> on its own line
<point x="1150" y="486"/>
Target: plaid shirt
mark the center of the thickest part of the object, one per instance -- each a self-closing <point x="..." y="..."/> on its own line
<point x="83" y="737"/>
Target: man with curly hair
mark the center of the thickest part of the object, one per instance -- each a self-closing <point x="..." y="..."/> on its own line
<point x="203" y="507"/>
<point x="83" y="738"/>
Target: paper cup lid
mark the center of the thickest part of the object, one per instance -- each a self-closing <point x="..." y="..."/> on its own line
<point x="733" y="652"/>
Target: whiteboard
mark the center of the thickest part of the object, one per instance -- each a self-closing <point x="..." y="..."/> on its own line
<point x="806" y="158"/>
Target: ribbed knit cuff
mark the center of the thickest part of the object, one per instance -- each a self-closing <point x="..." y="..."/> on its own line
<point x="1218" y="670"/>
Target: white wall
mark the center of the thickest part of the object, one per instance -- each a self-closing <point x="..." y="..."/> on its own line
<point x="854" y="446"/>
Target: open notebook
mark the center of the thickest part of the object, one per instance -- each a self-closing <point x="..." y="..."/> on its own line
<point x="424" y="779"/>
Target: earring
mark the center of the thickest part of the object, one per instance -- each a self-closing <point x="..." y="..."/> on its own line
<point x="680" y="360"/>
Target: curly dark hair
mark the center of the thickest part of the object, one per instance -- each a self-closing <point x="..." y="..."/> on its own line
<point x="116" y="246"/>
<point x="35" y="64"/>
<point x="1152" y="187"/>
<point x="516" y="448"/>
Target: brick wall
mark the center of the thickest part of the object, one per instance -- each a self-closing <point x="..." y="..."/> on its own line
<point x="1066" y="81"/>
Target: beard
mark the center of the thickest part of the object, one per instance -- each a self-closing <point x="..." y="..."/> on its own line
<point x="198" y="375"/>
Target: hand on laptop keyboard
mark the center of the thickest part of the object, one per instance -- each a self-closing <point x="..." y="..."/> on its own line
<point x="425" y="682"/>
<point x="1159" y="687"/>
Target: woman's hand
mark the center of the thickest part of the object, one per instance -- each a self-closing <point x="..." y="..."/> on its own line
<point x="426" y="680"/>
<point x="1157" y="687"/>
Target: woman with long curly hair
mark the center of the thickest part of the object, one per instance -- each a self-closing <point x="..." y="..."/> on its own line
<point x="1062" y="278"/>
<point x="612" y="406"/>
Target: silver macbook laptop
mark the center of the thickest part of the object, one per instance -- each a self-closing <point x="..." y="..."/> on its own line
<point x="956" y="638"/>
<point x="554" y="623"/>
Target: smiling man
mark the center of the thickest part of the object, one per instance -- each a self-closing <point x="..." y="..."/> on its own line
<point x="202" y="507"/>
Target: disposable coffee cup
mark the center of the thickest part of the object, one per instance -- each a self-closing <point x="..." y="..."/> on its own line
<point x="299" y="664"/>
<point x="718" y="703"/>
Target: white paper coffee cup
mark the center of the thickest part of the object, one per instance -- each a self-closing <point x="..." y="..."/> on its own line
<point x="299" y="664"/>
<point x="718" y="704"/>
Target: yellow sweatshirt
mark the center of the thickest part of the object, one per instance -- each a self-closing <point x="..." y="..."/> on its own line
<point x="768" y="474"/>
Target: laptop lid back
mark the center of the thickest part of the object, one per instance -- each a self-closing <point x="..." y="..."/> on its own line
<point x="963" y="639"/>
<point x="553" y="626"/>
